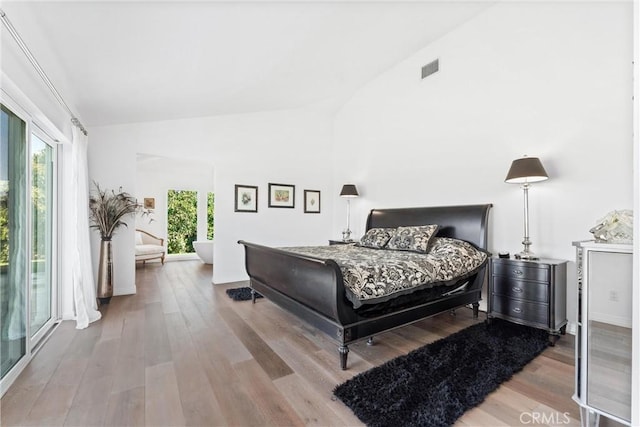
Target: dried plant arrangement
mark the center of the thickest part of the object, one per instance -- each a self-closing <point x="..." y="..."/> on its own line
<point x="108" y="210"/>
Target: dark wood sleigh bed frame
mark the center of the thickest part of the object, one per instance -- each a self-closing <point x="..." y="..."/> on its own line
<point x="313" y="289"/>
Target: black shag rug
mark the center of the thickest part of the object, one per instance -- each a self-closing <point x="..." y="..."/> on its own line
<point x="435" y="384"/>
<point x="241" y="294"/>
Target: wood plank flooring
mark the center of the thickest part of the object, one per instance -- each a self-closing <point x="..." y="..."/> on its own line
<point x="181" y="353"/>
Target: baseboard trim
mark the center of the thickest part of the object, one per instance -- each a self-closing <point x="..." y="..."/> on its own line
<point x="126" y="291"/>
<point x="235" y="282"/>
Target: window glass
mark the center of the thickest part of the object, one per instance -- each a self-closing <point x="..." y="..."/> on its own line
<point x="182" y="221"/>
<point x="41" y="233"/>
<point x="13" y="234"/>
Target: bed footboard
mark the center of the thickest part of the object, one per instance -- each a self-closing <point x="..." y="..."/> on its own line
<point x="309" y="287"/>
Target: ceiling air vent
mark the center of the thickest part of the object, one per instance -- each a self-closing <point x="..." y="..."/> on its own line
<point x="430" y="68"/>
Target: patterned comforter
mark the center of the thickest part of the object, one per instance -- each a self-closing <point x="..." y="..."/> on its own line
<point x="376" y="275"/>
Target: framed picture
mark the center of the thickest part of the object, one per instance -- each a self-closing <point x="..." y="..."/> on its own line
<point x="246" y="198"/>
<point x="311" y="201"/>
<point x="149" y="203"/>
<point x="282" y="196"/>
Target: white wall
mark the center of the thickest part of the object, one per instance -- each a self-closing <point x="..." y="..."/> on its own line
<point x="112" y="165"/>
<point x="289" y="147"/>
<point x="552" y="80"/>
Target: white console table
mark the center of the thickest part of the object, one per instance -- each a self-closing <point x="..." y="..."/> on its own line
<point x="603" y="337"/>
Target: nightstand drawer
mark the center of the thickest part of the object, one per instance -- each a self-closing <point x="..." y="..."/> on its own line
<point x="531" y="291"/>
<point x="520" y="272"/>
<point x="527" y="311"/>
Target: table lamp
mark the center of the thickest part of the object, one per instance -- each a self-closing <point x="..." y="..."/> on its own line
<point x="348" y="191"/>
<point x="525" y="171"/>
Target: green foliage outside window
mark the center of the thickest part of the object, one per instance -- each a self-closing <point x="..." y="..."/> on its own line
<point x="210" y="202"/>
<point x="4" y="229"/>
<point x="39" y="167"/>
<point x="182" y="221"/>
<point x="40" y="174"/>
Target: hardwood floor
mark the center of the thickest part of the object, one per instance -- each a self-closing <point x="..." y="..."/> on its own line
<point x="180" y="352"/>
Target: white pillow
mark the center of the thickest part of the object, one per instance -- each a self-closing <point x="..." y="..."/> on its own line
<point x="139" y="238"/>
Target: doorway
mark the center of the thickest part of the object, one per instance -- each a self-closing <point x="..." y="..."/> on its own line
<point x="181" y="190"/>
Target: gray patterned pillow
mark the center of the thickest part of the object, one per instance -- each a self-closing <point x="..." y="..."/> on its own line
<point x="376" y="238"/>
<point x="415" y="239"/>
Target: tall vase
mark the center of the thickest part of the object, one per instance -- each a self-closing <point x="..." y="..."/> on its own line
<point x="105" y="272"/>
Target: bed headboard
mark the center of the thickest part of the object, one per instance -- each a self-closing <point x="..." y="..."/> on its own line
<point x="468" y="222"/>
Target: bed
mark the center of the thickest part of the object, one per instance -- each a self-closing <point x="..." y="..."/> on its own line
<point x="313" y="288"/>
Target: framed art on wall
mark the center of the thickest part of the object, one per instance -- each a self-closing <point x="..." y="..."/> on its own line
<point x="149" y="203"/>
<point x="246" y="198"/>
<point x="311" y="201"/>
<point x="282" y="195"/>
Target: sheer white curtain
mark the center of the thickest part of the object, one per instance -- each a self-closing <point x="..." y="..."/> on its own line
<point x="84" y="292"/>
<point x="17" y="179"/>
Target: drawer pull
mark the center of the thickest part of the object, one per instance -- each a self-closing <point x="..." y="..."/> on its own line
<point x="518" y="272"/>
<point x="517" y="310"/>
<point x="517" y="290"/>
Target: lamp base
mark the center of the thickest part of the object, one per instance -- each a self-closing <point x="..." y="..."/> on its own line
<point x="527" y="256"/>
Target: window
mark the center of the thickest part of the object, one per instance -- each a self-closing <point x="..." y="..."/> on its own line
<point x="210" y="203"/>
<point x="182" y="221"/>
<point x="42" y="208"/>
<point x="13" y="253"/>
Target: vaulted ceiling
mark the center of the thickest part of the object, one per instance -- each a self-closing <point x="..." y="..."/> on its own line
<point x="123" y="62"/>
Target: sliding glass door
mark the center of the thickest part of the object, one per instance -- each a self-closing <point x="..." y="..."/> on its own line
<point x="13" y="242"/>
<point x="27" y="235"/>
<point x="42" y="231"/>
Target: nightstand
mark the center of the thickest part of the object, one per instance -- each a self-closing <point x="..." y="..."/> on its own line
<point x="532" y="293"/>
<point x="341" y="242"/>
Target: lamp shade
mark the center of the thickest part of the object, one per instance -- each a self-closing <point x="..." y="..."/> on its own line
<point x="526" y="169"/>
<point x="349" y="190"/>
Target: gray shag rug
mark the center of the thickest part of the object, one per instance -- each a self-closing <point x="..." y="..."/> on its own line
<point x="435" y="384"/>
<point x="241" y="294"/>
